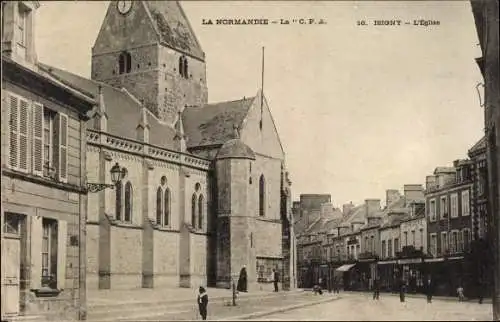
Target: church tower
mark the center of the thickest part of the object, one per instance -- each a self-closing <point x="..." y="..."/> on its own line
<point x="150" y="49"/>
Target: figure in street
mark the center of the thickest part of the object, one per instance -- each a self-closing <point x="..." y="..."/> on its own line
<point x="460" y="293"/>
<point x="429" y="288"/>
<point x="203" y="302"/>
<point x="242" y="280"/>
<point x="276" y="279"/>
<point x="376" y="288"/>
<point x="402" y="290"/>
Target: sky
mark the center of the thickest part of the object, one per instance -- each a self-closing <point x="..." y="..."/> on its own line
<point x="359" y="109"/>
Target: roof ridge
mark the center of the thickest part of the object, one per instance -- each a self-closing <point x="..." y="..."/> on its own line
<point x="232" y="101"/>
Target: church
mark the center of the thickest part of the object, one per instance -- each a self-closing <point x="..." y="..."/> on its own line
<point x="203" y="188"/>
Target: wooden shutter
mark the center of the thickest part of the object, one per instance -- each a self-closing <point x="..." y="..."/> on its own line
<point x="62" y="242"/>
<point x="13" y="102"/>
<point x="38" y="139"/>
<point x="36" y="235"/>
<point x="24" y="112"/>
<point x="63" y="147"/>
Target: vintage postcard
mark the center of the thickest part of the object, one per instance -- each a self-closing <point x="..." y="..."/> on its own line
<point x="250" y="160"/>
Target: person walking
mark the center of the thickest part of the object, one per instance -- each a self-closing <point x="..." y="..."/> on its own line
<point x="276" y="279"/>
<point x="429" y="288"/>
<point x="376" y="288"/>
<point x="402" y="289"/>
<point x="460" y="293"/>
<point x="203" y="302"/>
<point x="242" y="280"/>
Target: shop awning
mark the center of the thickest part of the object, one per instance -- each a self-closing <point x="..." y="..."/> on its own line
<point x="345" y="268"/>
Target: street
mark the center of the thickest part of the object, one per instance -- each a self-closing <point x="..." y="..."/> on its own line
<point x="361" y="307"/>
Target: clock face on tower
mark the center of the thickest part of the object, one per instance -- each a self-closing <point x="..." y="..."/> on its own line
<point x="124" y="6"/>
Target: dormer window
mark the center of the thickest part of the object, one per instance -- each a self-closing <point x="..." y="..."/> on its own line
<point x="124" y="63"/>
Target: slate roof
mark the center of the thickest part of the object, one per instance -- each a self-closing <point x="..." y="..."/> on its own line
<point x="123" y="111"/>
<point x="174" y="28"/>
<point x="235" y="149"/>
<point x="213" y="124"/>
<point x="478" y="146"/>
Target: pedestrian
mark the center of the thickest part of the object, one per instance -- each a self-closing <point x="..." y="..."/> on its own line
<point x="376" y="288"/>
<point x="480" y="290"/>
<point x="276" y="279"/>
<point x="242" y="280"/>
<point x="429" y="288"/>
<point x="203" y="302"/>
<point x="402" y="289"/>
<point x="460" y="292"/>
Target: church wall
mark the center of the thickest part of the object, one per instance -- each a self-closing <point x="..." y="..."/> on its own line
<point x="126" y="257"/>
<point x="93" y="176"/>
<point x="198" y="260"/>
<point x="166" y="254"/>
<point x="267" y="238"/>
<point x="200" y="177"/>
<point x="271" y="169"/>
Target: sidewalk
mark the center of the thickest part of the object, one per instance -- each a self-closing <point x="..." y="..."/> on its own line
<point x="423" y="296"/>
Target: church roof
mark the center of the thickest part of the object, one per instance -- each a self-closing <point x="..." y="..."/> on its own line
<point x="235" y="149"/>
<point x="213" y="124"/>
<point x="173" y="27"/>
<point x="122" y="109"/>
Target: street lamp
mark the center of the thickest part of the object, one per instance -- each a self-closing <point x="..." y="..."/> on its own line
<point x="116" y="172"/>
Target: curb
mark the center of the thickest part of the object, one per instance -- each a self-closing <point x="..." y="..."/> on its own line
<point x="486" y="301"/>
<point x="278" y="310"/>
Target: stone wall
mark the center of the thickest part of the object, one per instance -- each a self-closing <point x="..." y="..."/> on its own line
<point x="166" y="259"/>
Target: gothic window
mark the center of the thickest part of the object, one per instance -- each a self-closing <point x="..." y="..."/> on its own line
<point x="166" y="209"/>
<point x="193" y="210"/>
<point x="118" y="203"/>
<point x="128" y="202"/>
<point x="159" y="203"/>
<point x="181" y="66"/>
<point x="262" y="196"/>
<point x="124" y="63"/>
<point x="200" y="211"/>
<point x="185" y="68"/>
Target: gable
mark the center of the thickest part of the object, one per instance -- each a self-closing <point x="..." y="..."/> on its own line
<point x="118" y="31"/>
<point x="263" y="141"/>
<point x="174" y="28"/>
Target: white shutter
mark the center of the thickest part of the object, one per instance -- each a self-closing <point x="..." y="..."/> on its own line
<point x="13" y="102"/>
<point x="36" y="234"/>
<point x="24" y="112"/>
<point x="38" y="139"/>
<point x="62" y="243"/>
<point x="63" y="147"/>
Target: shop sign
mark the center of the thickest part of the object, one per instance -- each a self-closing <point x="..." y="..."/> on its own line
<point x="387" y="262"/>
<point x="410" y="261"/>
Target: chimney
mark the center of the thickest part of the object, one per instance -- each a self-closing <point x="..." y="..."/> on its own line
<point x="346" y="208"/>
<point x="326" y="210"/>
<point x="391" y="196"/>
<point x="372" y="206"/>
<point x="430" y="182"/>
<point x="413" y="192"/>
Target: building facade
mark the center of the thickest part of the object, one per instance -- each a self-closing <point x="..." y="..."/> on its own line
<point x="449" y="223"/>
<point x="44" y="193"/>
<point x="486" y="18"/>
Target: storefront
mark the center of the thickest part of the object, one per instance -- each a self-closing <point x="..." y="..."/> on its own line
<point x="366" y="271"/>
<point x="412" y="273"/>
<point x="387" y="272"/>
<point x="346" y="276"/>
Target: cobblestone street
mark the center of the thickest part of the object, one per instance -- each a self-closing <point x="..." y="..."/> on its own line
<point x="361" y="307"/>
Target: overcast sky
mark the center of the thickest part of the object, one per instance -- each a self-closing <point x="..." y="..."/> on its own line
<point x="360" y="109"/>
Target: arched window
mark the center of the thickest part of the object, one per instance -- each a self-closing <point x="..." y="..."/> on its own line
<point x="128" y="202"/>
<point x="166" y="209"/>
<point x="118" y="203"/>
<point x="185" y="72"/>
<point x="159" y="203"/>
<point x="124" y="63"/>
<point x="200" y="211"/>
<point x="262" y="196"/>
<point x="181" y="65"/>
<point x="193" y="211"/>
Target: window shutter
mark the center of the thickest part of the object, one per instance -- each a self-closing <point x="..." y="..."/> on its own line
<point x="63" y="147"/>
<point x="38" y="139"/>
<point x="62" y="242"/>
<point x="14" y="131"/>
<point x="36" y="252"/>
<point x="23" y="135"/>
